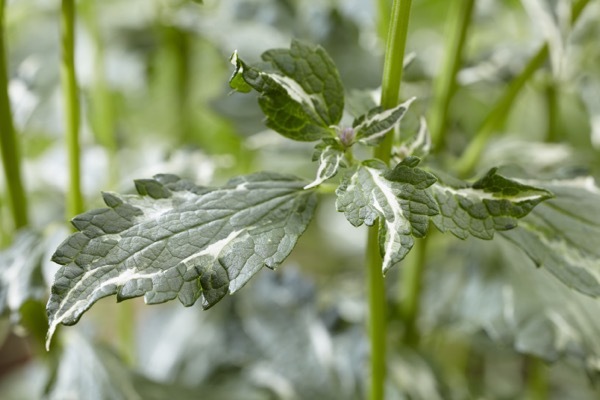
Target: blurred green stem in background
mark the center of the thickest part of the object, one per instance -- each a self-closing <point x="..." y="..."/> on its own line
<point x="71" y="107"/>
<point x="537" y="378"/>
<point x="392" y="76"/>
<point x="500" y="110"/>
<point x="412" y="282"/>
<point x="457" y="25"/>
<point x="552" y="111"/>
<point x="102" y="110"/>
<point x="11" y="159"/>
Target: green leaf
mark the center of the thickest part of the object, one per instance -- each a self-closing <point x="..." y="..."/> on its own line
<point x="301" y="94"/>
<point x="418" y="145"/>
<point x="180" y="240"/>
<point x="371" y="127"/>
<point x="397" y="197"/>
<point x="493" y="203"/>
<point x="563" y="234"/>
<point x="21" y="277"/>
<point x="330" y="156"/>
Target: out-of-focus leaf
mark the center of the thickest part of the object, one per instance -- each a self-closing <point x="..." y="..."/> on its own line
<point x="501" y="292"/>
<point x="21" y="277"/>
<point x="418" y="145"/>
<point x="178" y="240"/>
<point x="302" y="97"/>
<point x="563" y="234"/>
<point x="271" y="338"/>
<point x="397" y="197"/>
<point x="493" y="203"/>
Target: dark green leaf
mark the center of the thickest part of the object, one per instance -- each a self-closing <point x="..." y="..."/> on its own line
<point x="494" y="203"/>
<point x="189" y="242"/>
<point x="398" y="197"/>
<point x="302" y="97"/>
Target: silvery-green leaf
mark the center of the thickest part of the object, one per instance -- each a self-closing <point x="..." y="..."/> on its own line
<point x="330" y="156"/>
<point x="419" y="145"/>
<point x="301" y="93"/>
<point x="371" y="127"/>
<point x="563" y="234"/>
<point x="398" y="198"/>
<point x="21" y="277"/>
<point x="493" y="203"/>
<point x="178" y="240"/>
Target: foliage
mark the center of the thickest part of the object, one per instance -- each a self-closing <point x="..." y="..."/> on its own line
<point x="516" y="280"/>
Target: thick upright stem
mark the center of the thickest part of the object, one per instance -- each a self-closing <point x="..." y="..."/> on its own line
<point x="392" y="76"/>
<point x="71" y="106"/>
<point x="11" y="160"/>
<point x="458" y="22"/>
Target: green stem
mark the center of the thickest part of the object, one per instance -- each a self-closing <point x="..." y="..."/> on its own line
<point x="71" y="105"/>
<point x="458" y="22"/>
<point x="552" y="112"/>
<point x="537" y="378"/>
<point x="412" y="284"/>
<point x="392" y="76"/>
<point x="496" y="117"/>
<point x="383" y="15"/>
<point x="498" y="113"/>
<point x="11" y="160"/>
<point x="377" y="314"/>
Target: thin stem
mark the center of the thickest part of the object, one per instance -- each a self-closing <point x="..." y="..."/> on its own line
<point x="412" y="284"/>
<point x="458" y="22"/>
<point x="393" y="68"/>
<point x="552" y="112"/>
<point x="377" y="314"/>
<point x="11" y="159"/>
<point x="71" y="105"/>
<point x="498" y="113"/>
<point x="392" y="76"/>
<point x="537" y="378"/>
<point x="500" y="110"/>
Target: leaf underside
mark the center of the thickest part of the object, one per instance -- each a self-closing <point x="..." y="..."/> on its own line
<point x="178" y="240"/>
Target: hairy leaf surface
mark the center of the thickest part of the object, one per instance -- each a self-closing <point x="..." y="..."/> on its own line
<point x="371" y="127"/>
<point x="178" y="240"/>
<point x="563" y="234"/>
<point x="397" y="197"/>
<point x="300" y="90"/>
<point x="493" y="203"/>
<point x="330" y="156"/>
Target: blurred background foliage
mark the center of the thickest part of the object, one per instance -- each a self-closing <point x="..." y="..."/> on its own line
<point x="153" y="77"/>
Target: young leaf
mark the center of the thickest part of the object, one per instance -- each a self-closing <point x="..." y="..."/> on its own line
<point x="302" y="97"/>
<point x="177" y="239"/>
<point x="397" y="197"/>
<point x="330" y="156"/>
<point x="371" y="127"/>
<point x="563" y="234"/>
<point x="493" y="203"/>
